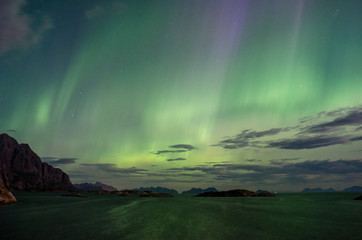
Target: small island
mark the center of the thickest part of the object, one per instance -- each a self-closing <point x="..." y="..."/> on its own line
<point x="138" y="193"/>
<point x="236" y="193"/>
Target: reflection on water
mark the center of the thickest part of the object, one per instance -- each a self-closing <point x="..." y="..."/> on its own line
<point x="289" y="216"/>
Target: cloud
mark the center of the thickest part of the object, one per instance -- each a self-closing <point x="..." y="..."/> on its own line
<point x="301" y="172"/>
<point x="246" y="138"/>
<point x="253" y="160"/>
<point x="176" y="159"/>
<point x="307" y="135"/>
<point x="98" y="11"/>
<point x="325" y="167"/>
<point x="308" y="143"/>
<point x="112" y="168"/>
<point x="356" y="139"/>
<point x="95" y="12"/>
<point x="64" y="161"/>
<point x="17" y="29"/>
<point x="170" y="151"/>
<point x="168" y="180"/>
<point x="49" y="158"/>
<point x="283" y="160"/>
<point x="58" y="161"/>
<point x="184" y="148"/>
<point x="354" y="117"/>
<point x="256" y="134"/>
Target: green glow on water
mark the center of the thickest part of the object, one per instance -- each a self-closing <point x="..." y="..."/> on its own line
<point x="288" y="216"/>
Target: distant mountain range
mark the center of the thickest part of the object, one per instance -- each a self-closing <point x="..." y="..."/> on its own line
<point x="308" y="190"/>
<point x="98" y="186"/>
<point x="353" y="189"/>
<point x="236" y="193"/>
<point x="261" y="191"/>
<point x="199" y="190"/>
<point x="22" y="169"/>
<point x="158" y="190"/>
<point x="350" y="189"/>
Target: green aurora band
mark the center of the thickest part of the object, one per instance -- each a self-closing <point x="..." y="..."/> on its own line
<point x="112" y="83"/>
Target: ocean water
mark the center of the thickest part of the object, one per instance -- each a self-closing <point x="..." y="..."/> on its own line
<point x="287" y="216"/>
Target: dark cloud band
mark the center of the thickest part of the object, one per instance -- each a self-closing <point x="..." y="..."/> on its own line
<point x="176" y="159"/>
<point x="307" y="137"/>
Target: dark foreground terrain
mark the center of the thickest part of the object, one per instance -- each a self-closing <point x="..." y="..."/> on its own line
<point x="287" y="216"/>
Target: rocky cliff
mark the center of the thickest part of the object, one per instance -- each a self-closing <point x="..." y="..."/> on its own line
<point x="22" y="169"/>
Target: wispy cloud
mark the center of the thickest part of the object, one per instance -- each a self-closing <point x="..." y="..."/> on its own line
<point x="247" y="138"/>
<point x="176" y="159"/>
<point x="312" y="135"/>
<point x="184" y="146"/>
<point x="180" y="148"/>
<point x="170" y="151"/>
<point x="308" y="143"/>
<point x="58" y="161"/>
<point x="280" y="172"/>
<point x="112" y="168"/>
<point x="283" y="160"/>
<point x="105" y="9"/>
<point x="353" y="118"/>
<point x="356" y="139"/>
<point x="17" y="30"/>
<point x="253" y="160"/>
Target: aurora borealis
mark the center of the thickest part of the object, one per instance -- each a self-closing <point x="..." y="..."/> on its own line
<point x="231" y="94"/>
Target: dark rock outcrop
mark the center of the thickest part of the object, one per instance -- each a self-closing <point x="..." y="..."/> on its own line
<point x="104" y="192"/>
<point x="158" y="190"/>
<point x="353" y="189"/>
<point x="6" y="197"/>
<point x="135" y="193"/>
<point x="154" y="194"/>
<point x="264" y="193"/>
<point x="199" y="190"/>
<point x="22" y="169"/>
<point x="92" y="187"/>
<point x="235" y="193"/>
<point x="358" y="198"/>
<point x="74" y="195"/>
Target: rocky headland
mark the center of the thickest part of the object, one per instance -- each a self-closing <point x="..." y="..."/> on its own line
<point x="6" y="197"/>
<point x="236" y="193"/>
<point x="21" y="169"/>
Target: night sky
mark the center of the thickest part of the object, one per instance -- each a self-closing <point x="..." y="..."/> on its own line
<point x="231" y="94"/>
